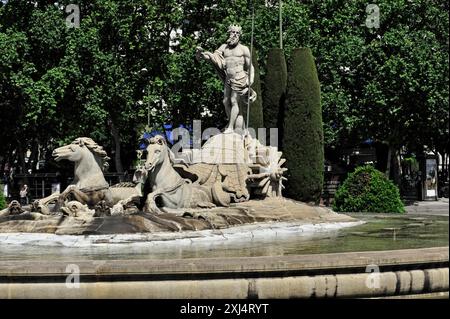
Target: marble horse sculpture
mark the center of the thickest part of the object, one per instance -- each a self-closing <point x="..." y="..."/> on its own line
<point x="169" y="190"/>
<point x="89" y="186"/>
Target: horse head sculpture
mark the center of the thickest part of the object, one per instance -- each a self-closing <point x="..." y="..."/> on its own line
<point x="79" y="149"/>
<point x="89" y="185"/>
<point x="90" y="161"/>
<point x="157" y="153"/>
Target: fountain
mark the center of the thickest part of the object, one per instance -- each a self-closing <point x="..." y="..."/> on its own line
<point x="209" y="223"/>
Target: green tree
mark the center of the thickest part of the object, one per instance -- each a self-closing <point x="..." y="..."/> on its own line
<point x="387" y="84"/>
<point x="274" y="93"/>
<point x="91" y="83"/>
<point x="403" y="100"/>
<point x="303" y="133"/>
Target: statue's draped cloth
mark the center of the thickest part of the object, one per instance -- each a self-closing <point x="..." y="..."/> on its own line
<point x="238" y="84"/>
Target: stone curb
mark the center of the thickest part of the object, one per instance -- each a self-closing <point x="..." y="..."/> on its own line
<point x="343" y="275"/>
<point x="332" y="263"/>
<point x="329" y="286"/>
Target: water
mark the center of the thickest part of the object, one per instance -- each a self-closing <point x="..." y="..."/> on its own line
<point x="380" y="232"/>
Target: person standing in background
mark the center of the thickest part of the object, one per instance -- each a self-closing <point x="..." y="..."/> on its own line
<point x="24" y="195"/>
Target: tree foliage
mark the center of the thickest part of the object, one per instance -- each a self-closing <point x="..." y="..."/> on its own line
<point x="303" y="132"/>
<point x="275" y="90"/>
<point x="388" y="84"/>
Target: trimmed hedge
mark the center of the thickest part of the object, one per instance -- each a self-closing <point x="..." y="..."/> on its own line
<point x="368" y="190"/>
<point x="274" y="94"/>
<point x="303" y="129"/>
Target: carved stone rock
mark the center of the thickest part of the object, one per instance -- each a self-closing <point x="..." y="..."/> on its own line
<point x="268" y="210"/>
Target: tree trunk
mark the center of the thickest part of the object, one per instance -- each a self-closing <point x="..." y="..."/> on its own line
<point x="381" y="150"/>
<point x="397" y="168"/>
<point x="5" y="159"/>
<point x="117" y="148"/>
<point x="443" y="160"/>
<point x="32" y="161"/>
<point x="2" y="164"/>
<point x="22" y="155"/>
<point x="388" y="162"/>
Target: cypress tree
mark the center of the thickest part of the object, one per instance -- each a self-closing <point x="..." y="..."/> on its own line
<point x="303" y="131"/>
<point x="256" y="110"/>
<point x="275" y="91"/>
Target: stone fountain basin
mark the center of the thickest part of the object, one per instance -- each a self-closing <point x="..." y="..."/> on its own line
<point x="234" y="236"/>
<point x="262" y="258"/>
<point x="253" y="212"/>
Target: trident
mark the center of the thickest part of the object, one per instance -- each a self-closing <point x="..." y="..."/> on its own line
<point x="251" y="65"/>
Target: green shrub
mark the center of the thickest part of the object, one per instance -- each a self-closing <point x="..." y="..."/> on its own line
<point x="303" y="129"/>
<point x="368" y="190"/>
<point x="2" y="198"/>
